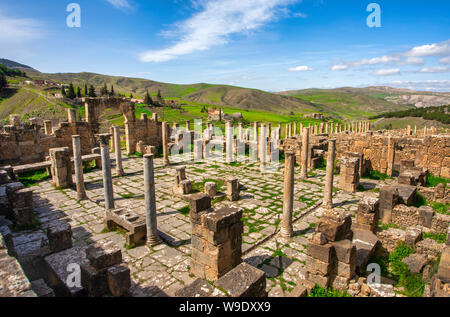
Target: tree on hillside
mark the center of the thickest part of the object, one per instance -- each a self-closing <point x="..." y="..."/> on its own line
<point x="104" y="90"/>
<point x="112" y="93"/>
<point x="92" y="92"/>
<point x="148" y="100"/>
<point x="3" y="81"/>
<point x="85" y="90"/>
<point x="63" y="90"/>
<point x="131" y="96"/>
<point x="71" y="93"/>
<point x="78" y="92"/>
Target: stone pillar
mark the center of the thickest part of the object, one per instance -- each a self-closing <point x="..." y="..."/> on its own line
<point x="232" y="188"/>
<point x="263" y="148"/>
<point x="188" y="125"/>
<point x="48" y="128"/>
<point x="14" y="120"/>
<point x="216" y="240"/>
<point x="165" y="143"/>
<point x="288" y="198"/>
<point x="78" y="166"/>
<point x="349" y="177"/>
<point x="61" y="167"/>
<point x="321" y="128"/>
<point x="389" y="197"/>
<point x="72" y="115"/>
<point x="106" y="168"/>
<point x="390" y="156"/>
<point x="301" y="128"/>
<point x="150" y="201"/>
<point x="295" y="129"/>
<point x="240" y="132"/>
<point x="328" y="192"/>
<point x="286" y="131"/>
<point x="305" y="154"/>
<point x="326" y="128"/>
<point x="118" y="151"/>
<point x="198" y="150"/>
<point x="229" y="141"/>
<point x="255" y="138"/>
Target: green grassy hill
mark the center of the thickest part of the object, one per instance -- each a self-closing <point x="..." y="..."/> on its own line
<point x="351" y="103"/>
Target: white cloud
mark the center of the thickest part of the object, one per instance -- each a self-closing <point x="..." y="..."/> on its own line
<point x="19" y="30"/>
<point x="437" y="49"/>
<point x="445" y="60"/>
<point x="120" y="4"/>
<point x="413" y="56"/>
<point x="386" y="72"/>
<point x="300" y="15"/>
<point x="431" y="85"/>
<point x="302" y="68"/>
<point x="212" y="26"/>
<point x="438" y="69"/>
<point x="339" y="67"/>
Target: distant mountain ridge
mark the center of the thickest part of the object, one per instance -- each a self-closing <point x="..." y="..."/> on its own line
<point x="11" y="64"/>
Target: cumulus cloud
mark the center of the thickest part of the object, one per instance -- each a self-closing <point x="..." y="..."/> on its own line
<point x="429" y="85"/>
<point x="302" y="68"/>
<point x="214" y="23"/>
<point x="386" y="72"/>
<point x="120" y="4"/>
<point x="438" y="69"/>
<point x="437" y="49"/>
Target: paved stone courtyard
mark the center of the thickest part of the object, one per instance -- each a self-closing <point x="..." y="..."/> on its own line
<point x="164" y="269"/>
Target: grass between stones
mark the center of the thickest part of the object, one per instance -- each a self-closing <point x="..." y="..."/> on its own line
<point x="185" y="210"/>
<point x="433" y="181"/>
<point x="375" y="175"/>
<point x="318" y="291"/>
<point x="199" y="187"/>
<point x="438" y="237"/>
<point x="30" y="179"/>
<point x="392" y="267"/>
<point x="437" y="207"/>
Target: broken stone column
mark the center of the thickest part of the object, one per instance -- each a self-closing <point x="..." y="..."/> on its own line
<point x="389" y="197"/>
<point x="368" y="214"/>
<point x="118" y="151"/>
<point x="188" y="125"/>
<point x="106" y="168"/>
<point x="14" y="120"/>
<point x="390" y="156"/>
<point x="216" y="241"/>
<point x="182" y="185"/>
<point x="78" y="167"/>
<point x="150" y="201"/>
<point x="48" y="128"/>
<point x="211" y="189"/>
<point x="328" y="192"/>
<point x="232" y="188"/>
<point x="72" y="115"/>
<point x="165" y="143"/>
<point x="229" y="141"/>
<point x="305" y="153"/>
<point x="349" y="178"/>
<point x="288" y="192"/>
<point x="295" y="129"/>
<point x="61" y="167"/>
<point x="22" y="204"/>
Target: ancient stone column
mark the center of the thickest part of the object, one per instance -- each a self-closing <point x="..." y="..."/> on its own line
<point x="263" y="147"/>
<point x="198" y="150"/>
<point x="118" y="151"/>
<point x="301" y="127"/>
<point x="255" y="137"/>
<point x="78" y="167"/>
<point x="48" y="128"/>
<point x="106" y="168"/>
<point x="154" y="116"/>
<point x="295" y="129"/>
<point x="305" y="155"/>
<point x="150" y="201"/>
<point x="188" y="125"/>
<point x="288" y="196"/>
<point x="165" y="143"/>
<point x="61" y="168"/>
<point x="390" y="156"/>
<point x="229" y="141"/>
<point x="326" y="128"/>
<point x="240" y="132"/>
<point x="328" y="192"/>
<point x="286" y="131"/>
<point x="72" y="115"/>
<point x="408" y="130"/>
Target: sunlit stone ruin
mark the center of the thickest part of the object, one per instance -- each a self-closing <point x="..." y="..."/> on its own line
<point x="255" y="210"/>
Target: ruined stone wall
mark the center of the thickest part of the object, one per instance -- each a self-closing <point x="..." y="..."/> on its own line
<point x="431" y="152"/>
<point x="149" y="131"/>
<point x="27" y="143"/>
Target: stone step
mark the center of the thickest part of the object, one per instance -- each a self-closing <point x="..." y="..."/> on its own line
<point x="366" y="243"/>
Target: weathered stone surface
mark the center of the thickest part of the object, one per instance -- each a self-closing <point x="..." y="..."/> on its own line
<point x="413" y="235"/>
<point x="119" y="280"/>
<point x="388" y="199"/>
<point x="444" y="266"/>
<point x="94" y="281"/>
<point x="103" y="255"/>
<point x="222" y="218"/>
<point x="415" y="262"/>
<point x="366" y="244"/>
<point x="430" y="248"/>
<point x="244" y="281"/>
<point x="407" y="194"/>
<point x="322" y="253"/>
<point x="345" y="251"/>
<point x="199" y="288"/>
<point x="299" y="291"/>
<point x="59" y="236"/>
<point x="42" y="289"/>
<point x="334" y="228"/>
<point x="210" y="189"/>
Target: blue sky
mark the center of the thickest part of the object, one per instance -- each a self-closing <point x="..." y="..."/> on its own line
<point x="272" y="45"/>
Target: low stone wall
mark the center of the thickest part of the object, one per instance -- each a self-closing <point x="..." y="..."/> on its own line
<point x="404" y="216"/>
